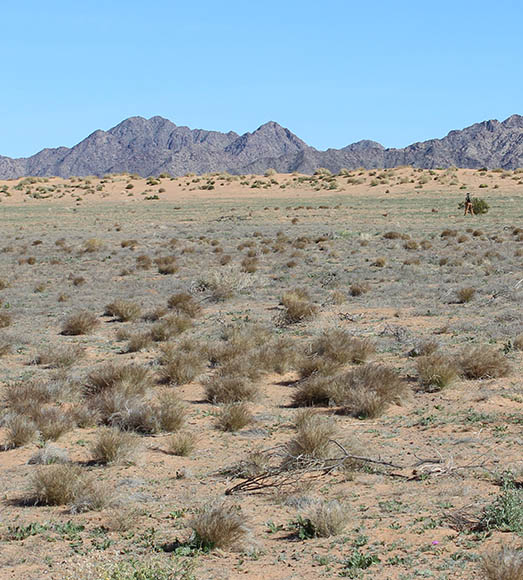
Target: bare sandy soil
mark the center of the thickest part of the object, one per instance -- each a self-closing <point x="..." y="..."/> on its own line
<point x="434" y="463"/>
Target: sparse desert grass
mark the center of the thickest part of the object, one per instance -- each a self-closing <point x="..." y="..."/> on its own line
<point x="483" y="362"/>
<point x="359" y="288"/>
<point x="169" y="327"/>
<point x="225" y="283"/>
<point x="52" y="422"/>
<point x="139" y="341"/>
<point x="314" y="390"/>
<point x="465" y="294"/>
<point x="170" y="411"/>
<point x="312" y="440"/>
<point x="181" y="364"/>
<point x="82" y="322"/>
<point x="233" y="417"/>
<point x="131" y="379"/>
<point x="219" y="525"/>
<point x="114" y="446"/>
<point x="518" y="342"/>
<point x="57" y="484"/>
<point x="297" y="306"/>
<point x="60" y="357"/>
<point x="20" y="430"/>
<point x="437" y="371"/>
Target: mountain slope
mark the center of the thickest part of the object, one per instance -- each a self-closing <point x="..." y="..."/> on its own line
<point x="156" y="145"/>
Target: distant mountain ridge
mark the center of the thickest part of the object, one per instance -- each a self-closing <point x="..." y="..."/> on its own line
<point x="156" y="145"/>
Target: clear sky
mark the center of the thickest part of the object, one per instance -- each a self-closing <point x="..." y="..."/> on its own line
<point x="331" y="71"/>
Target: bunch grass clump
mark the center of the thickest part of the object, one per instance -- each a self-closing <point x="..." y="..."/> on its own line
<point x="483" y="362"/>
<point x="82" y="322"/>
<point x="233" y="417"/>
<point x="114" y="446"/>
<point x="219" y="525"/>
<point x="437" y="371"/>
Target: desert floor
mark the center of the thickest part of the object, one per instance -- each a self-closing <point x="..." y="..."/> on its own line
<point x="383" y="261"/>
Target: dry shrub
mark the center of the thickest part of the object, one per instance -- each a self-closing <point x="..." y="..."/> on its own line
<point x="169" y="327"/>
<point x="249" y="265"/>
<point x="518" y="342"/>
<point x="219" y="526"/>
<point x="52" y="422"/>
<point x="166" y="264"/>
<point x="56" y="484"/>
<point x="465" y="294"/>
<point x="379" y="262"/>
<point x="123" y="310"/>
<point x="5" y="319"/>
<point x="368" y="391"/>
<point x="91" y="495"/>
<point x="392" y="235"/>
<point x="297" y="306"/>
<point x="483" y="362"/>
<point x="233" y="417"/>
<point x="437" y="371"/>
<point x="358" y="288"/>
<point x="129" y="244"/>
<point x="185" y="304"/>
<point x="411" y="245"/>
<point x="312" y="440"/>
<point x="424" y="348"/>
<point x="278" y="355"/>
<point x="181" y="363"/>
<point x="505" y="564"/>
<point x="326" y="518"/>
<point x="82" y="322"/>
<point x="60" y="357"/>
<point x="181" y="444"/>
<point x="448" y="233"/>
<point x="114" y="446"/>
<point x="26" y="397"/>
<point x="230" y="389"/>
<point x="20" y="431"/>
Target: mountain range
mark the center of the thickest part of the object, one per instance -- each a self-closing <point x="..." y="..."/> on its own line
<point x="156" y="145"/>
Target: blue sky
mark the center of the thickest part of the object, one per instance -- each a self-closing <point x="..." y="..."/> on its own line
<point x="333" y="72"/>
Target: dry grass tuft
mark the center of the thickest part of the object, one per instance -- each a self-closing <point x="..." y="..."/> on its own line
<point x="339" y="347"/>
<point x="130" y="379"/>
<point x="233" y="417"/>
<point x="60" y="357"/>
<point x="219" y="526"/>
<point x="20" y="431"/>
<point x="312" y="440"/>
<point x="82" y="322"/>
<point x="52" y="422"/>
<point x="114" y="446"/>
<point x="359" y="288"/>
<point x="181" y="363"/>
<point x="56" y="484"/>
<point x="315" y="390"/>
<point x="170" y="411"/>
<point x="168" y="327"/>
<point x="5" y="319"/>
<point x="483" y="362"/>
<point x="437" y="371"/>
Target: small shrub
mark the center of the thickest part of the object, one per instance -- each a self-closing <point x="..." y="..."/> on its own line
<point x="233" y="417"/>
<point x="92" y="245"/>
<point x="60" y="357"/>
<point x="340" y="347"/>
<point x="170" y="411"/>
<point x="5" y="319"/>
<point x="168" y="327"/>
<point x="483" y="362"/>
<point x="82" y="322"/>
<point x="114" y="446"/>
<point x="437" y="371"/>
<point x="297" y="306"/>
<point x="130" y="379"/>
<point x="139" y="341"/>
<point x="181" y="444"/>
<point x="312" y="440"/>
<point x="315" y="390"/>
<point x="166" y="265"/>
<point x="181" y="366"/>
<point x="48" y="455"/>
<point x="358" y="288"/>
<point x="379" y="262"/>
<point x="505" y="513"/>
<point x="219" y="526"/>
<point x="52" y="422"/>
<point x="518" y="342"/>
<point x="56" y="484"/>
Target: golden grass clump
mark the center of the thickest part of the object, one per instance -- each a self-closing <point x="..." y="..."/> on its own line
<point x="166" y="265"/>
<point x="52" y="422"/>
<point x="312" y="440"/>
<point x="340" y="347"/>
<point x="60" y="357"/>
<point x="169" y="327"/>
<point x="437" y="371"/>
<point x="20" y="431"/>
<point x="219" y="525"/>
<point x="5" y="319"/>
<point x="316" y="390"/>
<point x="56" y="484"/>
<point x="81" y="322"/>
<point x="181" y="364"/>
<point x="483" y="362"/>
<point x="123" y="310"/>
<point x="233" y="417"/>
<point x="505" y="564"/>
<point x="170" y="411"/>
<point x="114" y="446"/>
<point x="130" y="379"/>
